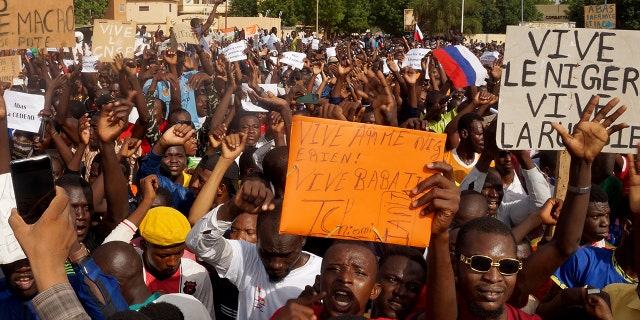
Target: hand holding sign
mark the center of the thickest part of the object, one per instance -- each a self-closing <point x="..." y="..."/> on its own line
<point x="589" y="137"/>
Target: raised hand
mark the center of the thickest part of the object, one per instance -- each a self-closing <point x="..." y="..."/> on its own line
<point x="217" y="135"/>
<point x="300" y="309"/>
<point x="170" y="57"/>
<point x="438" y="194"/>
<point x="114" y="118"/>
<point x="276" y="123"/>
<point x="252" y="197"/>
<point x="177" y="135"/>
<point x="590" y="136"/>
<point x="233" y="145"/>
<point x="84" y="132"/>
<point x="129" y="147"/>
<point x="416" y="124"/>
<point x="149" y="186"/>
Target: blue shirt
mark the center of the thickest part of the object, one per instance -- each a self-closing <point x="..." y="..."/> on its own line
<point x="590" y="266"/>
<point x="182" y="197"/>
<point x="163" y="92"/>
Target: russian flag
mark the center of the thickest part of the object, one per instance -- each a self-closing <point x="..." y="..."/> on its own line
<point x="417" y="34"/>
<point x="461" y="66"/>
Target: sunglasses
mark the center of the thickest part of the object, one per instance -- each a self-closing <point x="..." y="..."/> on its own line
<point x="503" y="154"/>
<point x="478" y="263"/>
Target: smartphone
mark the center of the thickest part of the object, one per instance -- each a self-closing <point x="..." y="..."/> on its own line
<point x="33" y="186"/>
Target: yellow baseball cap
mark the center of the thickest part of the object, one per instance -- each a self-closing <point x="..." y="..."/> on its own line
<point x="164" y="226"/>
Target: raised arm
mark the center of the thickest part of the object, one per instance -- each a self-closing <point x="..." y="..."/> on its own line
<point x="586" y="142"/>
<point x="112" y="121"/>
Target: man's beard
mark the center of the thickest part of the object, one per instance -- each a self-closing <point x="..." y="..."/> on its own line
<point x="483" y="314"/>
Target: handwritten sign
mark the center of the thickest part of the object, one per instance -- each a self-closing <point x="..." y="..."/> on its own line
<point x="184" y="34"/>
<point x="549" y="75"/>
<point x="111" y="37"/>
<point x="413" y="58"/>
<point x="10" y="249"/>
<point x="235" y="51"/>
<point x="89" y="64"/>
<point x="350" y="180"/>
<point x="294" y="59"/>
<point x="22" y="110"/>
<point x="36" y="24"/>
<point x="9" y="68"/>
<point x="602" y="16"/>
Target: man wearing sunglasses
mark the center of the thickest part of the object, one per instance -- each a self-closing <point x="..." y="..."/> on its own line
<point x="489" y="278"/>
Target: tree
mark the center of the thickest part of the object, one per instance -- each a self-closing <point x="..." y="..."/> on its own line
<point x="441" y="16"/>
<point x="87" y="10"/>
<point x="330" y="15"/>
<point x="498" y="14"/>
<point x="244" y="8"/>
<point x="289" y="8"/>
<point x="356" y="16"/>
<point x="389" y="15"/>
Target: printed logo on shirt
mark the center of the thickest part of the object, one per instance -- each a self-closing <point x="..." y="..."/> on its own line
<point x="258" y="300"/>
<point x="189" y="287"/>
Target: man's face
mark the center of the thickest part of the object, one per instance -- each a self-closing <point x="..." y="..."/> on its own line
<point x="486" y="293"/>
<point x="244" y="228"/>
<point x="477" y="136"/>
<point x="83" y="209"/>
<point x="503" y="162"/>
<point x="198" y="179"/>
<point x="402" y="280"/>
<point x="163" y="262"/>
<point x="348" y="276"/>
<point x="493" y="191"/>
<point x="250" y="125"/>
<point x="279" y="254"/>
<point x="596" y="226"/>
<point x="20" y="278"/>
<point x="201" y="105"/>
<point x="176" y="160"/>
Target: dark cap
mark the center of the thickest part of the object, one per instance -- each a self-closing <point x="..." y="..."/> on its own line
<point x="103" y="100"/>
<point x="209" y="162"/>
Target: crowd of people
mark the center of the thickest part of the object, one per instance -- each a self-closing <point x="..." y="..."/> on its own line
<point x="174" y="213"/>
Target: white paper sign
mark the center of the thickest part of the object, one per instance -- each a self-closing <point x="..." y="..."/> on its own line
<point x="549" y="75"/>
<point x="294" y="59"/>
<point x="331" y="52"/>
<point x="22" y="110"/>
<point x="247" y="104"/>
<point x="68" y="63"/>
<point x="235" y="51"/>
<point x="413" y="58"/>
<point x="315" y="44"/>
<point x="489" y="57"/>
<point x="10" y="250"/>
<point x="89" y="64"/>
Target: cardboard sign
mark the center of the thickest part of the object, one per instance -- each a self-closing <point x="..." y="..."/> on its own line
<point x="235" y="51"/>
<point x="9" y="68"/>
<point x="111" y="37"/>
<point x="10" y="249"/>
<point x="36" y="24"/>
<point x="350" y="180"/>
<point x="549" y="75"/>
<point x="184" y="34"/>
<point x="413" y="58"/>
<point x="294" y="59"/>
<point x="602" y="16"/>
<point x="22" y="110"/>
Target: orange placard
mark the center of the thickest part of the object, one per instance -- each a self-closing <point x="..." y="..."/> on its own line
<point x="352" y="181"/>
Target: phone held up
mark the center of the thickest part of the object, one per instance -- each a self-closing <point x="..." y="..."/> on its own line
<point x="33" y="186"/>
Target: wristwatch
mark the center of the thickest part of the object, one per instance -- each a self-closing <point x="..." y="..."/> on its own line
<point x="79" y="254"/>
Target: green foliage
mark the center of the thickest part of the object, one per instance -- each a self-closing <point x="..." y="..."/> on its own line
<point x="244" y="8"/>
<point x="290" y="10"/>
<point x="498" y="14"/>
<point x="356" y="16"/>
<point x="389" y="15"/>
<point x="442" y="16"/>
<point x="87" y="10"/>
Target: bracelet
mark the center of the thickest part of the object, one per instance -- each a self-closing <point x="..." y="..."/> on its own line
<point x="579" y="190"/>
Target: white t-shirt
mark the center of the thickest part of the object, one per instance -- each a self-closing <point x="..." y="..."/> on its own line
<point x="259" y="297"/>
<point x="193" y="280"/>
